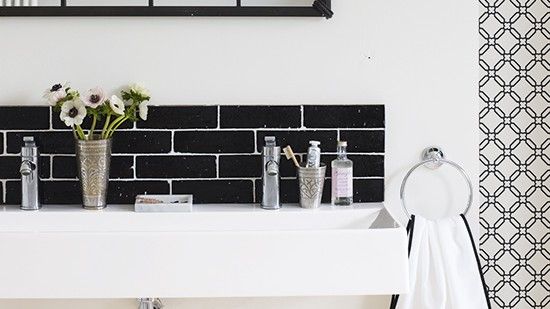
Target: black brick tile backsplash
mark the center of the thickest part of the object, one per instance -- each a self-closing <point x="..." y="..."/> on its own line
<point x="250" y="166"/>
<point x="260" y="117"/>
<point x="64" y="167"/>
<point x="216" y="191"/>
<point x="181" y="117"/>
<point x="9" y="167"/>
<point x="61" y="192"/>
<point x="363" y="165"/>
<point x="212" y="152"/>
<point x="214" y="142"/>
<point x="24" y="118"/>
<point x="364" y="141"/>
<point x="240" y="166"/>
<point x="368" y="190"/>
<point x="52" y="192"/>
<point x="299" y="140"/>
<point x="142" y="142"/>
<point x="176" y="167"/>
<point x="54" y="142"/>
<point x="124" y="192"/>
<point x="344" y="116"/>
<point x="13" y="193"/>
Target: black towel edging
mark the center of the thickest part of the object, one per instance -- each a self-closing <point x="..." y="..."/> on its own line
<point x="477" y="260"/>
<point x="410" y="231"/>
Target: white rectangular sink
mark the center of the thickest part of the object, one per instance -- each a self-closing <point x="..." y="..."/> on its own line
<point x="214" y="251"/>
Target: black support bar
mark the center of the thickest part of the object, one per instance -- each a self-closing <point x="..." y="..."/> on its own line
<point x="317" y="10"/>
<point x="323" y="6"/>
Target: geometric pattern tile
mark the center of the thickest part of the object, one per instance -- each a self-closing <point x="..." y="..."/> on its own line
<point x="514" y="124"/>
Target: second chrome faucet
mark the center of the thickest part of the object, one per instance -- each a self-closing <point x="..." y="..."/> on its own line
<point x="29" y="175"/>
<point x="271" y="156"/>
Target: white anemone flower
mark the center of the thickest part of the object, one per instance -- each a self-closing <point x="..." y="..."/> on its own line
<point x="55" y="93"/>
<point x="73" y="92"/>
<point x="73" y="113"/>
<point x="117" y="105"/>
<point x="142" y="91"/>
<point x="143" y="110"/>
<point x="94" y="97"/>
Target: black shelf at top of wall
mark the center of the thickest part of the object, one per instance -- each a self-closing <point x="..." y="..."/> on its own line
<point x="319" y="8"/>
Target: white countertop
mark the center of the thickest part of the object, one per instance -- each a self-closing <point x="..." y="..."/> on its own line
<point x="207" y="217"/>
<point x="196" y="208"/>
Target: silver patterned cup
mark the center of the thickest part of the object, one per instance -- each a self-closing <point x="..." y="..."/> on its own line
<point x="94" y="160"/>
<point x="311" y="181"/>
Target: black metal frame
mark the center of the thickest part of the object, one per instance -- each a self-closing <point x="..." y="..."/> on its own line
<point x="320" y="8"/>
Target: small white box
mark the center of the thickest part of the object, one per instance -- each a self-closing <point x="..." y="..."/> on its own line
<point x="164" y="203"/>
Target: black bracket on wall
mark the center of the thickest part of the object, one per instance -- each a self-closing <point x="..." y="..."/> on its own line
<point x="320" y="8"/>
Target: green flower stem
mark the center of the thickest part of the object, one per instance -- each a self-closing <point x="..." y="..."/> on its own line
<point x="113" y="124"/>
<point x="117" y="125"/>
<point x="74" y="133"/>
<point x="92" y="129"/>
<point x="80" y="133"/>
<point x="105" y="126"/>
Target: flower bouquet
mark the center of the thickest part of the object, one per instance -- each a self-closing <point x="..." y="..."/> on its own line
<point x="93" y="146"/>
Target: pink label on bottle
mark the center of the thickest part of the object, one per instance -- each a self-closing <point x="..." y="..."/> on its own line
<point x="342" y="182"/>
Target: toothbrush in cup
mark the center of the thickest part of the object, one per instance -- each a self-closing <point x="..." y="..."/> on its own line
<point x="289" y="154"/>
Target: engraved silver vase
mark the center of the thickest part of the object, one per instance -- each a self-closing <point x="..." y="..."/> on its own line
<point x="94" y="160"/>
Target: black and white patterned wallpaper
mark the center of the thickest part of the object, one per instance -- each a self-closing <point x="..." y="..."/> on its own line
<point x="515" y="151"/>
<point x="212" y="152"/>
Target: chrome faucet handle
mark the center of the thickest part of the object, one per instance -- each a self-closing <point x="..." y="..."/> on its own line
<point x="272" y="168"/>
<point x="26" y="168"/>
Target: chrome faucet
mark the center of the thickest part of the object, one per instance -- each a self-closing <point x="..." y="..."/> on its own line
<point x="150" y="303"/>
<point x="270" y="176"/>
<point x="29" y="175"/>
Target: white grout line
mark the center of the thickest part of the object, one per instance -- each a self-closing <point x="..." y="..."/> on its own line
<point x="51" y="167"/>
<point x="218" y="118"/>
<point x="256" y="142"/>
<point x="134" y="167"/>
<point x="302" y="117"/>
<point x="4" y="194"/>
<point x="172" y="142"/>
<point x="50" y="117"/>
<point x="217" y="166"/>
<point x="254" y="191"/>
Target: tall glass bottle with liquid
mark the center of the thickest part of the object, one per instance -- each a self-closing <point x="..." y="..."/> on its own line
<point x="342" y="177"/>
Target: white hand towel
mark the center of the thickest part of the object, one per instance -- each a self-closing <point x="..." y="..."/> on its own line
<point x="444" y="267"/>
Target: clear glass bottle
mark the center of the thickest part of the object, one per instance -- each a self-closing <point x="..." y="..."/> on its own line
<point x="342" y="177"/>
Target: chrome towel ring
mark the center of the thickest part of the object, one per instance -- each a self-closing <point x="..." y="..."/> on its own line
<point x="433" y="157"/>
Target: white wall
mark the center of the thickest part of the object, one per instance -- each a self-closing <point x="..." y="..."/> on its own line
<point x="417" y="57"/>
